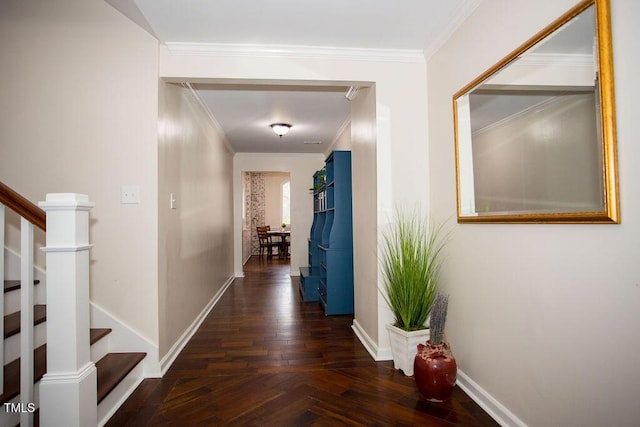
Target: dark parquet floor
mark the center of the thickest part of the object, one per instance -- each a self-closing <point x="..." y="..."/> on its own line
<point x="265" y="358"/>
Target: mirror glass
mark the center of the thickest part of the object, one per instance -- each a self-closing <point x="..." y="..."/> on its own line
<point x="535" y="134"/>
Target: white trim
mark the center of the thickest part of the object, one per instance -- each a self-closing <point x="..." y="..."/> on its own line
<point x="378" y="354"/>
<point x="172" y="354"/>
<point x="490" y="404"/>
<point x="66" y="201"/>
<point x="463" y="13"/>
<point x="79" y="248"/>
<point x="70" y="377"/>
<point x="66" y="206"/>
<point x="341" y="129"/>
<point x="280" y="155"/>
<point x="239" y="274"/>
<point x="296" y="51"/>
<point x="546" y="59"/>
<point x="123" y="339"/>
<point x="514" y="116"/>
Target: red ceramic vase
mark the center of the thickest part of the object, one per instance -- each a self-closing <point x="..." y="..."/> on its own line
<point x="435" y="371"/>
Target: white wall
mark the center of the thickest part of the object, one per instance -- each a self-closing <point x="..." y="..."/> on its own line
<point x="542" y="317"/>
<point x="79" y="114"/>
<point x="194" y="240"/>
<point x="300" y="169"/>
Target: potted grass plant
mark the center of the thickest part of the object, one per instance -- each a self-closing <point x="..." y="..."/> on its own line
<point x="410" y="264"/>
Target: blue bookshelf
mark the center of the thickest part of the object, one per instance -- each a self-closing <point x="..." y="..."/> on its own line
<point x="335" y="285"/>
<point x="310" y="275"/>
<point x="329" y="276"/>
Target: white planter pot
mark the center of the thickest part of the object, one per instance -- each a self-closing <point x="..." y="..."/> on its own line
<point x="404" y="347"/>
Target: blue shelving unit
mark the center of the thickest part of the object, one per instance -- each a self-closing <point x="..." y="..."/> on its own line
<point x="329" y="276"/>
<point x="335" y="287"/>
<point x="310" y="275"/>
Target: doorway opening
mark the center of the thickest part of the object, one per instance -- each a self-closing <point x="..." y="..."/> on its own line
<point x="266" y="202"/>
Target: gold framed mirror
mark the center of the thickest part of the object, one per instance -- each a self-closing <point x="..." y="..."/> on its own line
<point x="535" y="135"/>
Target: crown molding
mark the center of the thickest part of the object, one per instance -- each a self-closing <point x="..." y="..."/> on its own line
<point x="240" y="155"/>
<point x="346" y="123"/>
<point x="214" y="122"/>
<point x="296" y="52"/>
<point x="462" y="14"/>
<point x="583" y="60"/>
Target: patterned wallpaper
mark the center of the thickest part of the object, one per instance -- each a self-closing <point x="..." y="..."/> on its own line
<point x="246" y="226"/>
<point x="256" y="208"/>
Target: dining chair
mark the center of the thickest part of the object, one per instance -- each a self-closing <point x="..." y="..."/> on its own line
<point x="265" y="241"/>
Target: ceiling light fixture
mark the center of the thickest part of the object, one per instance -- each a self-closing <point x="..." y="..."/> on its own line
<point x="280" y="128"/>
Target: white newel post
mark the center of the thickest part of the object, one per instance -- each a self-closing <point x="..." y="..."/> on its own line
<point x="68" y="391"/>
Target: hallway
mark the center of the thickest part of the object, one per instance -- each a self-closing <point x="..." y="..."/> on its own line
<point x="264" y="358"/>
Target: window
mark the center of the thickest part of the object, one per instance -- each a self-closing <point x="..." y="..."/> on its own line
<point x="286" y="203"/>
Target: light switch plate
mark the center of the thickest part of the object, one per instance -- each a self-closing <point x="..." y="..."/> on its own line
<point x="129" y="194"/>
<point x="173" y="202"/>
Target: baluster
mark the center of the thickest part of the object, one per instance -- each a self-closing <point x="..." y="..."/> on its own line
<point x="26" y="321"/>
<point x="2" y="243"/>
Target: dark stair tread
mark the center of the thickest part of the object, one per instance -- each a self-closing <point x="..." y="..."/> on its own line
<point x="112" y="368"/>
<point x="12" y="373"/>
<point x="96" y="334"/>
<point x="12" y="321"/>
<point x="12" y="285"/>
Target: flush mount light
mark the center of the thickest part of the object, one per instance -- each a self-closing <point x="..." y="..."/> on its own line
<point x="280" y="128"/>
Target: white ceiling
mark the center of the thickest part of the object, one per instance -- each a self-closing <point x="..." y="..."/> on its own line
<point x="245" y="113"/>
<point x="316" y="113"/>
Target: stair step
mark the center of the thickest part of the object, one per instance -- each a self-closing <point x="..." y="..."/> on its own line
<point x="12" y="373"/>
<point x="12" y="321"/>
<point x="96" y="334"/>
<point x="112" y="368"/>
<point x="12" y="370"/>
<point x="12" y="285"/>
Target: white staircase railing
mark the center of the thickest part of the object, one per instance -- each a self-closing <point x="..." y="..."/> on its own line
<point x="30" y="215"/>
<point x="67" y="392"/>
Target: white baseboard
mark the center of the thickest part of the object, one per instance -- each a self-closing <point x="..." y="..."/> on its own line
<point x="495" y="409"/>
<point x="124" y="339"/>
<point x="378" y="354"/>
<point x="175" y="350"/>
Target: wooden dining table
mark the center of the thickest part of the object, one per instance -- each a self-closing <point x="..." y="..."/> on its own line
<point x="283" y="247"/>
